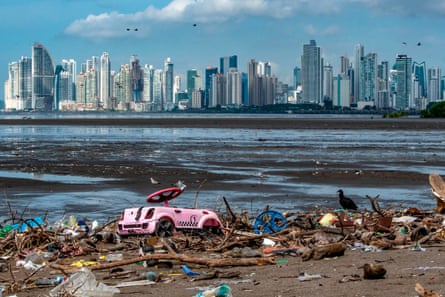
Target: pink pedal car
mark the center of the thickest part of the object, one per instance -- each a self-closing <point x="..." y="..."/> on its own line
<point x="164" y="220"/>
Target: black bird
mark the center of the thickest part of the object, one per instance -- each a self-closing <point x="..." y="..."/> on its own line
<point x="419" y="44"/>
<point x="194" y="25"/>
<point x="346" y="202"/>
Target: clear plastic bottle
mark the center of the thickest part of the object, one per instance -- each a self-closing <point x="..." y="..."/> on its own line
<point x="114" y="257"/>
<point x="53" y="281"/>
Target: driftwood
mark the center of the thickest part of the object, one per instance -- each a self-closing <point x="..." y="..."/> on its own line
<point x="329" y="250"/>
<point x="179" y="257"/>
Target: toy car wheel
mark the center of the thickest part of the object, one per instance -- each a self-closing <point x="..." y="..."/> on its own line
<point x="164" y="228"/>
<point x="269" y="221"/>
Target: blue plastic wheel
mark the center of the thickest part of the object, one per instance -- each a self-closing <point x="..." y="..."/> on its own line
<point x="269" y="221"/>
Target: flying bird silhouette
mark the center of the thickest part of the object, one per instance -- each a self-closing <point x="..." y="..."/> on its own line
<point x="345" y="202"/>
<point x="419" y="44"/>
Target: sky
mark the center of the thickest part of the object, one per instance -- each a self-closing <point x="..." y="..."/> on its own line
<point x="194" y="34"/>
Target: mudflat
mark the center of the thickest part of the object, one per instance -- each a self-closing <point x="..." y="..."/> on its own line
<point x="338" y="276"/>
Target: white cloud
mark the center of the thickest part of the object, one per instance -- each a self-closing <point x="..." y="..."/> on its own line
<point x="215" y="11"/>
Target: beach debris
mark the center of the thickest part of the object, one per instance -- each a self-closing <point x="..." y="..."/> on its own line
<point x="375" y="204"/>
<point x="70" y="245"/>
<point x="438" y="189"/>
<point x="269" y="221"/>
<point x="326" y="251"/>
<point x="83" y="283"/>
<point x="220" y="291"/>
<point x="304" y="277"/>
<point x="189" y="272"/>
<point x="373" y="271"/>
<point x="424" y="292"/>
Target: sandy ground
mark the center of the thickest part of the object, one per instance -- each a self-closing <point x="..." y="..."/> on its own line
<point x="338" y="275"/>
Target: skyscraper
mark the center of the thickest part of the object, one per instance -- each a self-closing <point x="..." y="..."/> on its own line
<point x="168" y="84"/>
<point x="419" y="80"/>
<point x="403" y="85"/>
<point x="434" y="75"/>
<point x="105" y="81"/>
<point x="158" y="75"/>
<point x="70" y="67"/>
<point x="328" y="76"/>
<point x="368" y="78"/>
<point x="42" y="78"/>
<point x="296" y="77"/>
<point x="225" y="63"/>
<point x="253" y="84"/>
<point x="136" y="79"/>
<point x="359" y="53"/>
<point x="234" y="87"/>
<point x="209" y="72"/>
<point x="194" y="81"/>
<point x="311" y="72"/>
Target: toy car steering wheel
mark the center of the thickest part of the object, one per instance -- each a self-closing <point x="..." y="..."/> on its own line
<point x="164" y="195"/>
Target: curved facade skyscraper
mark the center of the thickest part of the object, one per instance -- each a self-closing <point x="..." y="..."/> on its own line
<point x="43" y="78"/>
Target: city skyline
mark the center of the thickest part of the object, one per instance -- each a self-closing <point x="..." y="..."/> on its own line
<point x="195" y="34"/>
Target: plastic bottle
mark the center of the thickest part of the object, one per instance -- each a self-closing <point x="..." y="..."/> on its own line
<point x="221" y="291"/>
<point x="53" y="281"/>
<point x="114" y="257"/>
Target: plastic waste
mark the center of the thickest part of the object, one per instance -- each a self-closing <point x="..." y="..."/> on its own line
<point x="268" y="242"/>
<point x="5" y="231"/>
<point x="308" y="277"/>
<point x="151" y="276"/>
<point x="188" y="271"/>
<point x="81" y="284"/>
<point x="114" y="257"/>
<point x="269" y="221"/>
<point x="327" y="220"/>
<point x="221" y="291"/>
<point x="31" y="223"/>
<point x="53" y="281"/>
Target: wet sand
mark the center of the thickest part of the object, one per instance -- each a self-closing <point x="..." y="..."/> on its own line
<point x="132" y="174"/>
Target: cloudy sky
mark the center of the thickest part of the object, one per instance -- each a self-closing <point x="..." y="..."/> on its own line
<point x="264" y="30"/>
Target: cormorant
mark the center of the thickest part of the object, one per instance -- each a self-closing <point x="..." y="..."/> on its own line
<point x="346" y="202"/>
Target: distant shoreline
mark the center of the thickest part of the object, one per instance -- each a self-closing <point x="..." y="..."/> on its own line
<point x="240" y="122"/>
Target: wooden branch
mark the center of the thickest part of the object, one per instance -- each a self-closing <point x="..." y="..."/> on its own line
<point x="178" y="257"/>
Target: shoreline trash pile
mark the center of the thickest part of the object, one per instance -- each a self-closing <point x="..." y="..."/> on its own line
<point x="78" y="249"/>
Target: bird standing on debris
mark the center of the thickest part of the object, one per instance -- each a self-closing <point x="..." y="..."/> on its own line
<point x="346" y="202"/>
